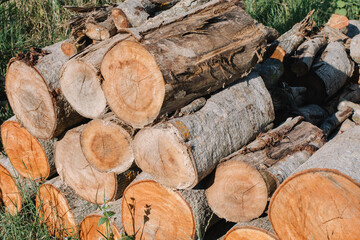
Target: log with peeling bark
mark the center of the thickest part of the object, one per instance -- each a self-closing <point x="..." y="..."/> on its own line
<point x="175" y="62"/>
<point x="10" y="194"/>
<point x="339" y="22"/>
<point x="355" y="49"/>
<point x="89" y="183"/>
<point x="89" y="228"/>
<point x="306" y="54"/>
<point x="153" y="211"/>
<point x="32" y="87"/>
<point x="32" y="158"/>
<point x="354" y="28"/>
<point x="259" y="229"/>
<point x="325" y="192"/>
<point x="182" y="151"/>
<point x="107" y="144"/>
<point x="335" y="120"/>
<point x="245" y="180"/>
<point x="60" y="208"/>
<point x="272" y="68"/>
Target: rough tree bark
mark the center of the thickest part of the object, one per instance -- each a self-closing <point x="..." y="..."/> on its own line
<point x="245" y="180"/>
<point x="181" y="152"/>
<point x="107" y="144"/>
<point x="355" y="49"/>
<point x="60" y="208"/>
<point x="321" y="201"/>
<point x="157" y="212"/>
<point x="32" y="87"/>
<point x="87" y="182"/>
<point x="32" y="158"/>
<point x="178" y="61"/>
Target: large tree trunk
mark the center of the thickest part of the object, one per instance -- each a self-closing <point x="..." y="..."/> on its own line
<point x="157" y="212"/>
<point x="60" y="208"/>
<point x="10" y="194"/>
<point x="246" y="179"/>
<point x="32" y="158"/>
<point x="32" y="87"/>
<point x="321" y="201"/>
<point x="75" y="171"/>
<point x="178" y="61"/>
<point x="259" y="229"/>
<point x="89" y="227"/>
<point x="107" y="144"/>
<point x="181" y="152"/>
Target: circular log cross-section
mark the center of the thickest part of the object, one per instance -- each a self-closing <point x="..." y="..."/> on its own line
<point x="26" y="153"/>
<point x="317" y="204"/>
<point x="90" y="229"/>
<point x="32" y="87"/>
<point x="171" y="217"/>
<point x="75" y="170"/>
<point x="107" y="146"/>
<point x="248" y="233"/>
<point x="176" y="62"/>
<point x="9" y="192"/>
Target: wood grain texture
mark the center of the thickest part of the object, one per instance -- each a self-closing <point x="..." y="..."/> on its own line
<point x="181" y="152"/>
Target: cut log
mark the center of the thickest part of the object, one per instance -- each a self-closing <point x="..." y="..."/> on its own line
<point x="32" y="158"/>
<point x="354" y="28"/>
<point x="175" y="62"/>
<point x="259" y="229"/>
<point x="305" y="55"/>
<point x="335" y="120"/>
<point x="312" y="113"/>
<point x="89" y="227"/>
<point x="80" y="79"/>
<point x="60" y="208"/>
<point x="346" y="125"/>
<point x="32" y="87"/>
<point x="246" y="179"/>
<point x="272" y="68"/>
<point x="73" y="45"/>
<point x="181" y="152"/>
<point x="10" y="195"/>
<point x="355" y="49"/>
<point x="87" y="182"/>
<point x="325" y="194"/>
<point x="107" y="144"/>
<point x="153" y="211"/>
<point x="339" y="22"/>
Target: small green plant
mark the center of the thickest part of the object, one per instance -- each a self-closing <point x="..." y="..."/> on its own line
<point x="350" y="8"/>
<point x="105" y="210"/>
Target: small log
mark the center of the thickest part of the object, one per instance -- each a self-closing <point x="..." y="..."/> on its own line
<point x="339" y="22"/>
<point x="181" y="152"/>
<point x="87" y="182"/>
<point x="60" y="208"/>
<point x="325" y="192"/>
<point x="333" y="35"/>
<point x="89" y="227"/>
<point x="32" y="87"/>
<point x="175" y="62"/>
<point x="259" y="229"/>
<point x="153" y="211"/>
<point x="312" y="113"/>
<point x="72" y="46"/>
<point x="10" y="195"/>
<point x="107" y="144"/>
<point x="305" y="55"/>
<point x="245" y="180"/>
<point x="354" y="28"/>
<point x="355" y="49"/>
<point x="335" y="120"/>
<point x="32" y="158"/>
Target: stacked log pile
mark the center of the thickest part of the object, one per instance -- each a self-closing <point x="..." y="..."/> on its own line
<point x="221" y="114"/>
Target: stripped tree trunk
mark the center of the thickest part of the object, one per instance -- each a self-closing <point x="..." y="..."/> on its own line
<point x="178" y="61"/>
<point x="306" y="54"/>
<point x="89" y="227"/>
<point x="107" y="144"/>
<point x="60" y="208"/>
<point x="253" y="173"/>
<point x="87" y="182"/>
<point x="157" y="212"/>
<point x="181" y="152"/>
<point x="259" y="229"/>
<point x="32" y="87"/>
<point x="32" y="158"/>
